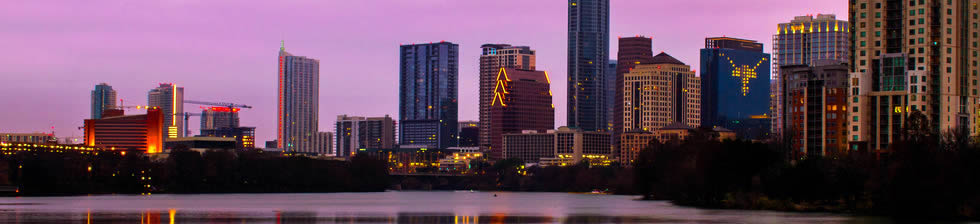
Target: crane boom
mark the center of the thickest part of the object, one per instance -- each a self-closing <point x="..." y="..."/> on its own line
<point x="220" y="104"/>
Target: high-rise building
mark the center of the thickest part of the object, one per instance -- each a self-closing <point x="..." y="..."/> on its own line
<point x="219" y="117"/>
<point x="355" y="133"/>
<point x="170" y="99"/>
<point x="521" y="101"/>
<point x="588" y="56"/>
<point x="816" y="108"/>
<point x="735" y="86"/>
<point x="632" y="51"/>
<point x="428" y="99"/>
<point x="802" y="41"/>
<point x="469" y="134"/>
<point x="103" y="97"/>
<point x="912" y="56"/>
<point x="661" y="93"/>
<point x="133" y="132"/>
<point x="298" y="102"/>
<point x="610" y="94"/>
<point x="494" y="57"/>
<point x="561" y="147"/>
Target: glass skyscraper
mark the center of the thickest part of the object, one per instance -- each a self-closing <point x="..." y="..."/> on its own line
<point x="735" y="86"/>
<point x="299" y="91"/>
<point x="103" y="97"/>
<point x="588" y="57"/>
<point x="428" y="97"/>
<point x="170" y="99"/>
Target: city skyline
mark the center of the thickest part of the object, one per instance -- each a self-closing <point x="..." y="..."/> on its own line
<point x="197" y="50"/>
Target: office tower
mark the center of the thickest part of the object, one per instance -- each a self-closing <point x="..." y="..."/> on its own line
<point x="912" y="56"/>
<point x="633" y="51"/>
<point x="521" y="101"/>
<point x="816" y="105"/>
<point x="610" y="94"/>
<point x="298" y="102"/>
<point x="562" y="147"/>
<point x="219" y="117"/>
<point x="588" y="56"/>
<point x="133" y="132"/>
<point x="494" y="57"/>
<point x="469" y="134"/>
<point x="428" y="99"/>
<point x="735" y="86"/>
<point x="802" y="41"/>
<point x="322" y="143"/>
<point x="355" y="133"/>
<point x="103" y="97"/>
<point x="661" y="93"/>
<point x="170" y="99"/>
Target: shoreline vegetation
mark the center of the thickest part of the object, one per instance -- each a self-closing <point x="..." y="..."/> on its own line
<point x="925" y="175"/>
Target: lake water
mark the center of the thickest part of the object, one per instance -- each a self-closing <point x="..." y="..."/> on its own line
<point x="386" y="207"/>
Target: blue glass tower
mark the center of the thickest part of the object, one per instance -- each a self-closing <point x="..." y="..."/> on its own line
<point x="735" y="86"/>
<point x="588" y="56"/>
<point x="428" y="107"/>
<point x="103" y="97"/>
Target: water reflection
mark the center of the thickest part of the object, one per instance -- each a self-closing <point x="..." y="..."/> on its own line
<point x="172" y="216"/>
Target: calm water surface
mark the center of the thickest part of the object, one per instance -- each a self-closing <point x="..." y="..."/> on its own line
<point x="386" y="207"/>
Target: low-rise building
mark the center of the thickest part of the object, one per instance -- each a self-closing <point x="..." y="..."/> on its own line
<point x="565" y="146"/>
<point x="127" y="132"/>
<point x="35" y="138"/>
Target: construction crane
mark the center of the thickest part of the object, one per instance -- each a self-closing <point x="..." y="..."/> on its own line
<point x="231" y="107"/>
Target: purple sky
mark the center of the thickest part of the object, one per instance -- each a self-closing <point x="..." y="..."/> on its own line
<point x="225" y="50"/>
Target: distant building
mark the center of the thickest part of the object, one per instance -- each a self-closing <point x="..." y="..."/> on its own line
<point x="636" y="141"/>
<point x="588" y="56"/>
<point x="271" y="144"/>
<point x="428" y="94"/>
<point x="244" y="136"/>
<point x="735" y="86"/>
<point x="469" y="134"/>
<point x="201" y="144"/>
<point x="522" y="101"/>
<point x="355" y="133"/>
<point x="170" y="100"/>
<point x="816" y="101"/>
<point x="219" y="117"/>
<point x="323" y="143"/>
<point x="610" y="94"/>
<point x="493" y="58"/>
<point x="561" y="147"/>
<point x="632" y="51"/>
<point x="103" y="97"/>
<point x="299" y="94"/>
<point x="661" y="93"/>
<point x="34" y="138"/>
<point x="132" y="132"/>
<point x="803" y="41"/>
<point x="409" y="160"/>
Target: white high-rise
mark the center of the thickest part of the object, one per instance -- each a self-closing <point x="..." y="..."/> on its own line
<point x="299" y="81"/>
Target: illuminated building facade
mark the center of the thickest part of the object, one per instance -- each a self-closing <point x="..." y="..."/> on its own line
<point x="735" y="86"/>
<point x="816" y="108"/>
<point x="521" y="101"/>
<point x="561" y="147"/>
<point x="492" y="59"/>
<point x="170" y="99"/>
<point x="428" y="99"/>
<point x="409" y="160"/>
<point x="103" y="97"/>
<point x="661" y="93"/>
<point x="635" y="141"/>
<point x="802" y="41"/>
<point x="132" y="132"/>
<point x="355" y="133"/>
<point x="244" y="136"/>
<point x="298" y="102"/>
<point x="469" y="134"/>
<point x="912" y="56"/>
<point x="588" y="56"/>
<point x="632" y="51"/>
<point x="35" y="138"/>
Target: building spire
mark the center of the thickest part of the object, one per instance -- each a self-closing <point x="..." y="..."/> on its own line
<point x="282" y="45"/>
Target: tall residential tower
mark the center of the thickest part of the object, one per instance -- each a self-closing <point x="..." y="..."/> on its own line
<point x="299" y="94"/>
<point x="428" y="100"/>
<point x="103" y="97"/>
<point x="170" y="99"/>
